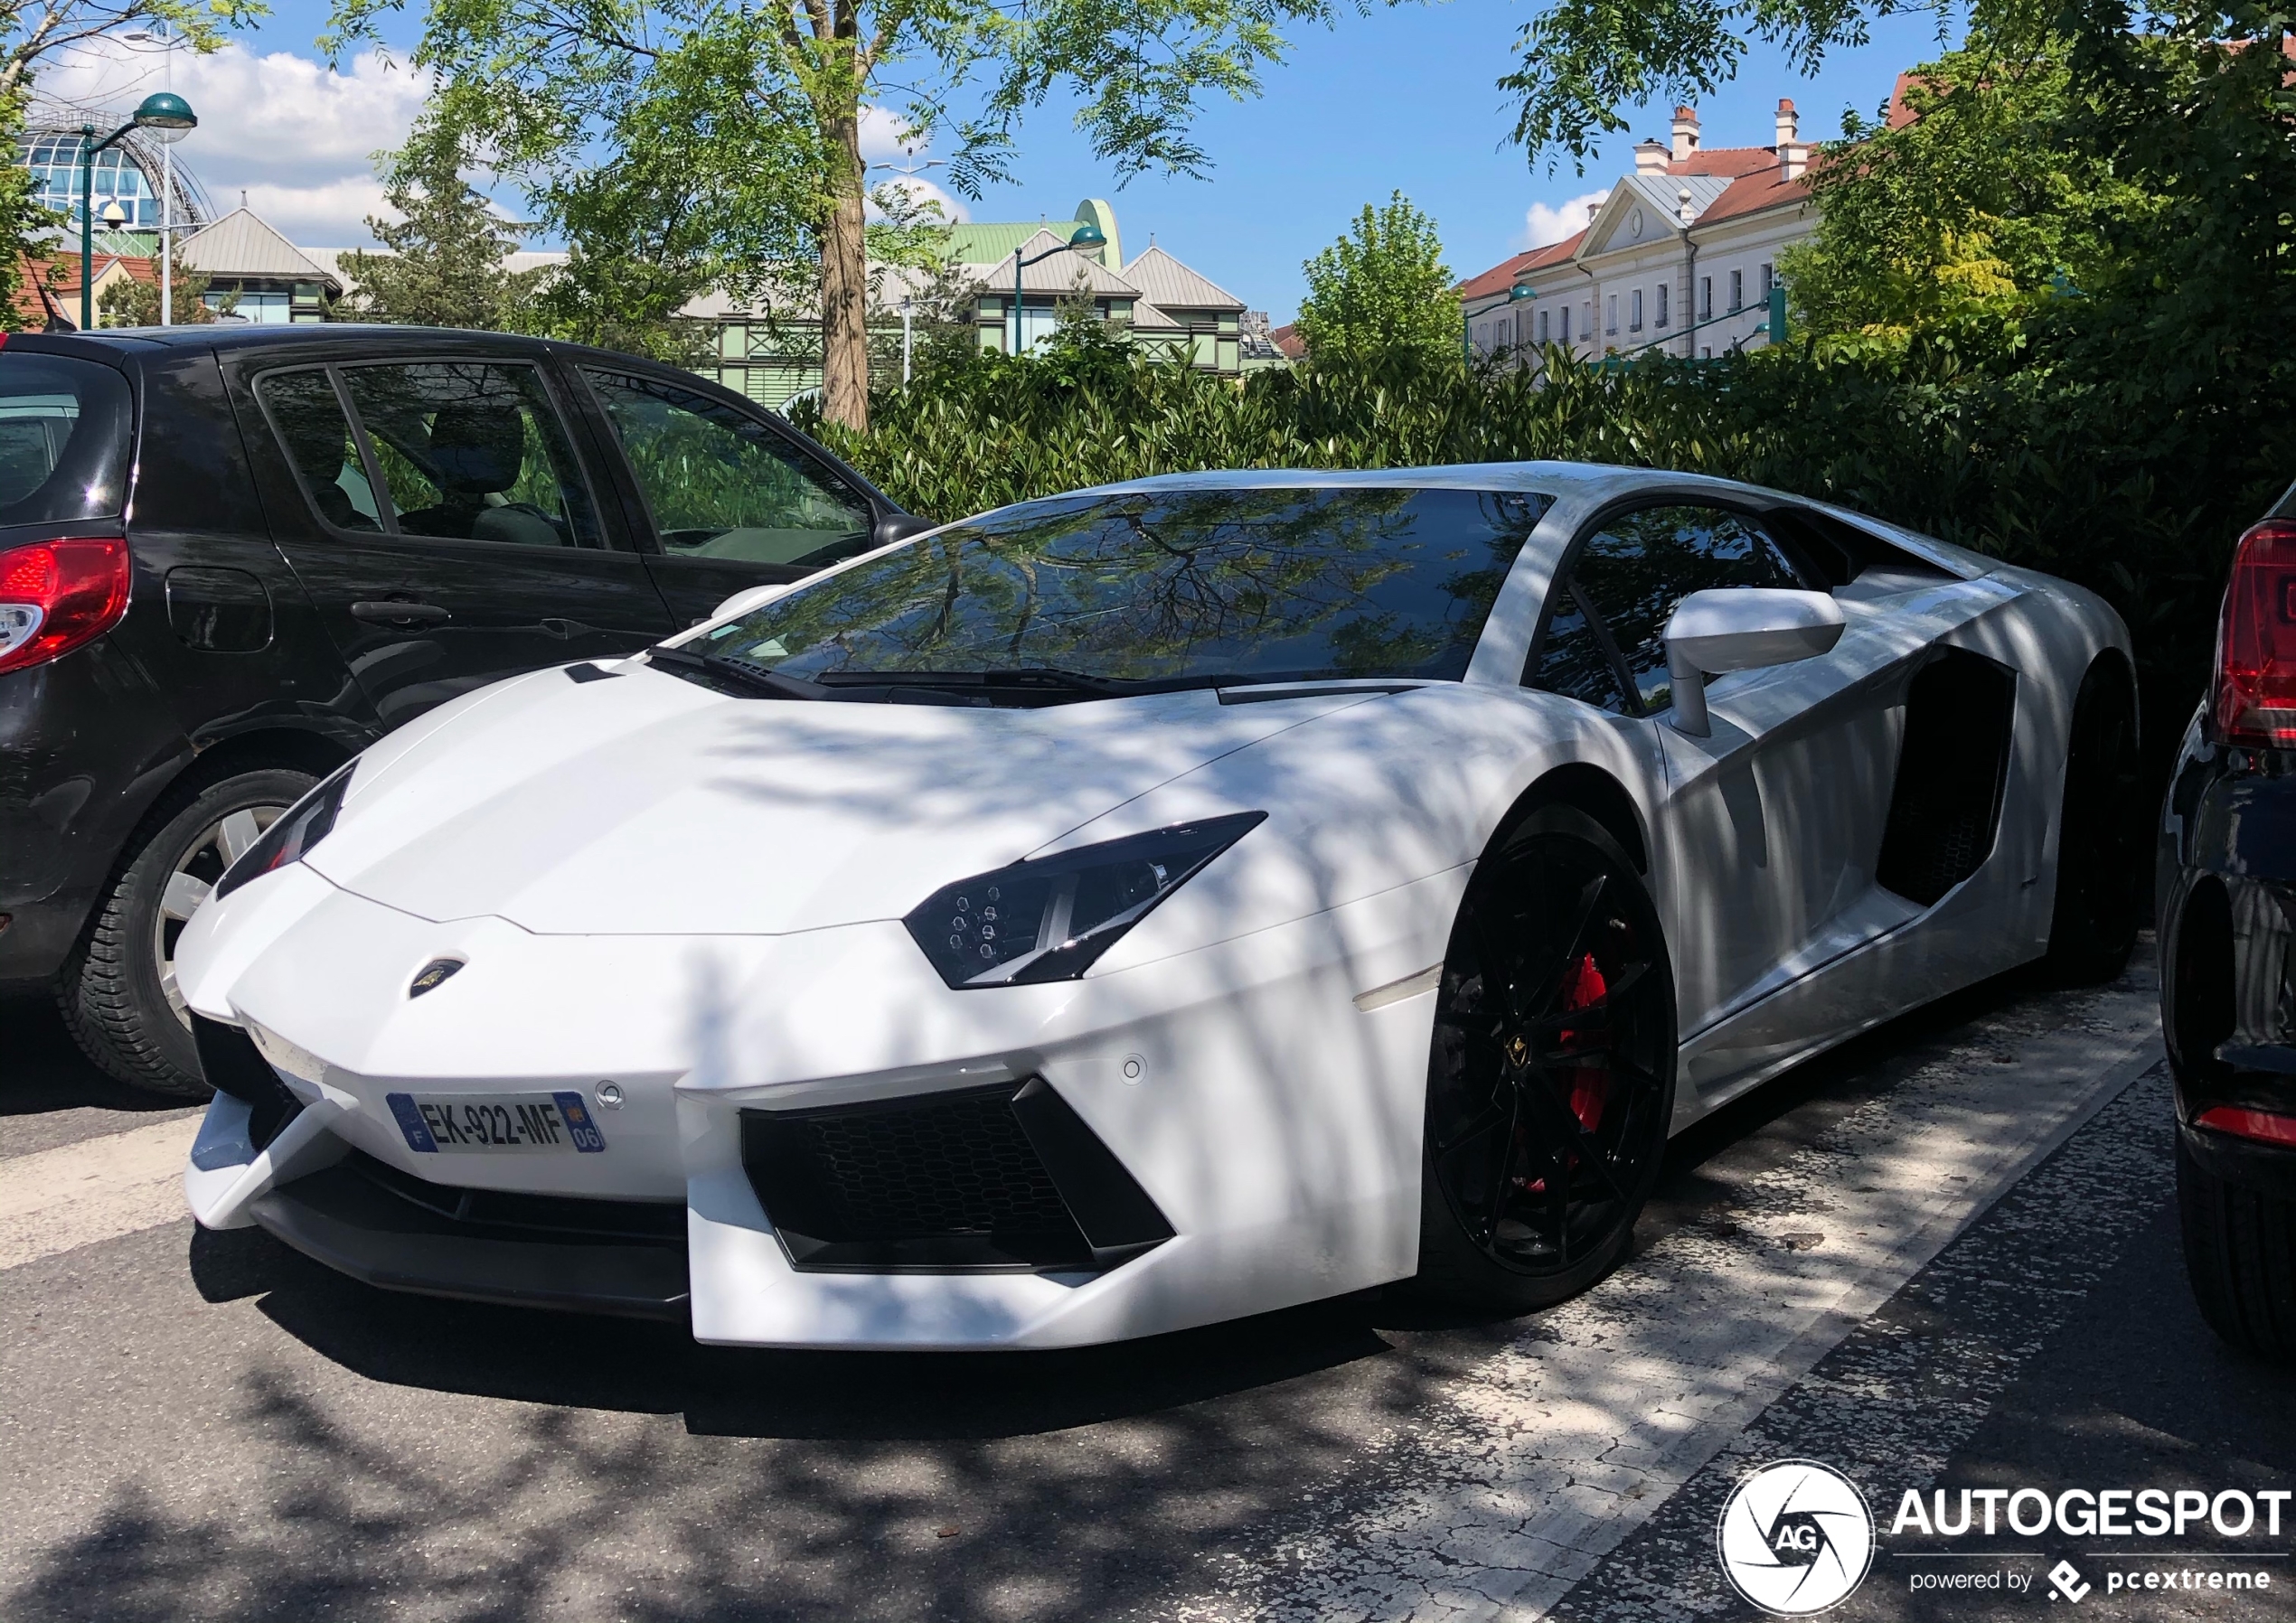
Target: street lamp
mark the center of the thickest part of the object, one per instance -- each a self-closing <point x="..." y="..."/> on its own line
<point x="170" y="118"/>
<point x="1085" y="236"/>
<point x="1516" y="294"/>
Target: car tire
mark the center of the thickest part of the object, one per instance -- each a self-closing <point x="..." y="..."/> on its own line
<point x="117" y="990"/>
<point x="2101" y="833"/>
<point x="1519" y="1216"/>
<point x="2240" y="1254"/>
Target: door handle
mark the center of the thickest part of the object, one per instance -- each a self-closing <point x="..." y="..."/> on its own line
<point x="391" y="613"/>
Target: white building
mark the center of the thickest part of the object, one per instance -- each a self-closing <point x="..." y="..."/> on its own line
<point x="1680" y="257"/>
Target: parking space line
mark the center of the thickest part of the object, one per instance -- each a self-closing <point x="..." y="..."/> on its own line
<point x="57" y="1200"/>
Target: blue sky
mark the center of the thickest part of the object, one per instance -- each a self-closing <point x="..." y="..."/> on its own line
<point x="1403" y="100"/>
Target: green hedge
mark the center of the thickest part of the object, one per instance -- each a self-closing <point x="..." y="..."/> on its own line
<point x="2135" y="490"/>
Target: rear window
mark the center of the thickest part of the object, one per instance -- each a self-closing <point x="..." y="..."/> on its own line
<point x="63" y="440"/>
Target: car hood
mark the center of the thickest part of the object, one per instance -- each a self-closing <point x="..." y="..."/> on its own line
<point x="647" y="805"/>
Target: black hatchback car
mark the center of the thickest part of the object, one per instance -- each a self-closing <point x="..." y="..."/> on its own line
<point x="2228" y="911"/>
<point x="232" y="556"/>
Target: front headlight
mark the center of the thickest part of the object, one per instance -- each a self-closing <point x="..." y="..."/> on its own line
<point x="1049" y="918"/>
<point x="294" y="831"/>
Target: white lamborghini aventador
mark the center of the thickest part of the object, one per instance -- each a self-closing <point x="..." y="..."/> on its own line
<point x="1153" y="905"/>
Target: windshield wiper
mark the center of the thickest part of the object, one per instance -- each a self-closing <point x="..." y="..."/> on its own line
<point x="738" y="673"/>
<point x="1025" y="678"/>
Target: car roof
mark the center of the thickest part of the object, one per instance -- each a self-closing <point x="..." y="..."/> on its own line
<point x="131" y="342"/>
<point x="1547" y="478"/>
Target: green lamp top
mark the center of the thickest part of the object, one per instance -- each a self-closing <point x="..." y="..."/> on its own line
<point x="1087" y="235"/>
<point x="163" y="109"/>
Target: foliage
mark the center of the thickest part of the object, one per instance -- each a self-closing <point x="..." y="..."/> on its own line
<point x="134" y="304"/>
<point x="445" y="265"/>
<point x="1383" y="286"/>
<point x="2033" y="465"/>
<point x="724" y="140"/>
<point x="35" y="33"/>
<point x="1983" y="206"/>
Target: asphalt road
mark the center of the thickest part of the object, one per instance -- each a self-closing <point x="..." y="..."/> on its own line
<point x="1942" y="1257"/>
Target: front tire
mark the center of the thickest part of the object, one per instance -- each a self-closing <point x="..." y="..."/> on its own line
<point x="2240" y="1254"/>
<point x="1550" y="1085"/>
<point x="118" y="989"/>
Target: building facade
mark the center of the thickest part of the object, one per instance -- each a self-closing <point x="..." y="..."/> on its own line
<point x="1680" y="257"/>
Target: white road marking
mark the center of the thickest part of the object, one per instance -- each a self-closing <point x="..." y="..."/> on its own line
<point x="1555" y="1448"/>
<point x="57" y="1200"/>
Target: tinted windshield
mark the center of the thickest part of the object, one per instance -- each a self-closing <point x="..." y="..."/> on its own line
<point x="63" y="440"/>
<point x="1174" y="587"/>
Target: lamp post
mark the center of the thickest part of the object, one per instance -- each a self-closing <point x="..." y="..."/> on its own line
<point x="1085" y="236"/>
<point x="909" y="305"/>
<point x="167" y="115"/>
<point x="1517" y="294"/>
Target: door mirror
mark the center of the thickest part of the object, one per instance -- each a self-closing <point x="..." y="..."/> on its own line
<point x="898" y="527"/>
<point x="1742" y="628"/>
<point x="747" y="598"/>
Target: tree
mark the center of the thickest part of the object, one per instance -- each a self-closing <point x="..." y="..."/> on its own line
<point x="749" y="116"/>
<point x="134" y="304"/>
<point x="445" y="265"/>
<point x="1981" y="206"/>
<point x="34" y="33"/>
<point x="1383" y="287"/>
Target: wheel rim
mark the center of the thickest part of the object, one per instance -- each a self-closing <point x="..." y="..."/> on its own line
<point x="190" y="880"/>
<point x="1546" y="1106"/>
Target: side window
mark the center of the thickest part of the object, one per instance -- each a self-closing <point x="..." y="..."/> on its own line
<point x="473" y="450"/>
<point x="721" y="485"/>
<point x="1639" y="566"/>
<point x="303" y="410"/>
<point x="1574" y="661"/>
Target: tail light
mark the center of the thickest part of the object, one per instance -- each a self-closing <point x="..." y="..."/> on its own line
<point x="2264" y="1126"/>
<point x="55" y="595"/>
<point x="2256" y="648"/>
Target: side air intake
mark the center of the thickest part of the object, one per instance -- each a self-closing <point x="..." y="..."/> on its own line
<point x="1946" y="807"/>
<point x="1006" y="1179"/>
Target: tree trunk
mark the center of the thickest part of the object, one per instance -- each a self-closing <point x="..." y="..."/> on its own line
<point x="844" y="283"/>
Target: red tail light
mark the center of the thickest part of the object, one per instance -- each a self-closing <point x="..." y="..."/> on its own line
<point x="54" y="596"/>
<point x="2250" y="1124"/>
<point x="2256" y="649"/>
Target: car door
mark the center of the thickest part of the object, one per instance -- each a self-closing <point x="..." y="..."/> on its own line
<point x="1773" y="822"/>
<point x="729" y="500"/>
<point x="437" y="514"/>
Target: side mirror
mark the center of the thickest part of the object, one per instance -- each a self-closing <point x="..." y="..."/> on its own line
<point x="1741" y="628"/>
<point x="749" y="597"/>
<point x="898" y="527"/>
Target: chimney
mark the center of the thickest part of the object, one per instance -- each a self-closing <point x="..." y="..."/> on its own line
<point x="1794" y="157"/>
<point x="1686" y="133"/>
<point x="1650" y="158"/>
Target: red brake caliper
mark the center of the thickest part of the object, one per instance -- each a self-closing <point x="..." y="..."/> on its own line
<point x="1589" y="1085"/>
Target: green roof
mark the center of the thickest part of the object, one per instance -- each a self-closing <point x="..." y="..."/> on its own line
<point x="986" y="242"/>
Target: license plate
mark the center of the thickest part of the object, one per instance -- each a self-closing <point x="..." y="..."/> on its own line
<point x="497" y="1123"/>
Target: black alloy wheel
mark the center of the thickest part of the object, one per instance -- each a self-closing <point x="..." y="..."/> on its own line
<point x="1551" y="1083"/>
<point x="2101" y="843"/>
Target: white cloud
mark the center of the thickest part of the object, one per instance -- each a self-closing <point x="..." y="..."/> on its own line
<point x="888" y="149"/>
<point x="1544" y="224"/>
<point x="299" y="138"/>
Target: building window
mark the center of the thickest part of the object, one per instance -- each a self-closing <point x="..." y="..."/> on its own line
<point x="1610" y="314"/>
<point x="1634" y="311"/>
<point x="1738" y="291"/>
<point x="1546" y="327"/>
<point x="1766" y="284"/>
<point x="1706" y="354"/>
<point x="1566" y="324"/>
<point x="1705" y="298"/>
<point x="1662" y="290"/>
